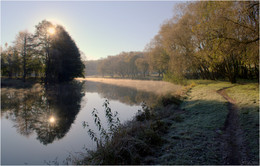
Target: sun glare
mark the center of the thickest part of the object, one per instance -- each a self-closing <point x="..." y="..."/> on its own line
<point x="52" y="119"/>
<point x="51" y="30"/>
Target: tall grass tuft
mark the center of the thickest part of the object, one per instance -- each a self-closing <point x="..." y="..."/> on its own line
<point x="133" y="142"/>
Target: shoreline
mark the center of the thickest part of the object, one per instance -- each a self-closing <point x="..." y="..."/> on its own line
<point x="189" y="129"/>
<point x="192" y="132"/>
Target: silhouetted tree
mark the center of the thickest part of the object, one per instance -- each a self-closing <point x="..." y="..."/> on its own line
<point x="59" y="52"/>
<point x="42" y="39"/>
<point x="65" y="62"/>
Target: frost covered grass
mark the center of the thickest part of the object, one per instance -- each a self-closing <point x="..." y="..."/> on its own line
<point x="247" y="99"/>
<point x="136" y="141"/>
<point x="194" y="140"/>
<point x="187" y="132"/>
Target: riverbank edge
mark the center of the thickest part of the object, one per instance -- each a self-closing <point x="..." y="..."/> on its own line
<point x="137" y="141"/>
<point x="168" y="138"/>
<point x="186" y="131"/>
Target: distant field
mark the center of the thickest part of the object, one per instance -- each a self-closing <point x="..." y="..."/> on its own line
<point x="157" y="87"/>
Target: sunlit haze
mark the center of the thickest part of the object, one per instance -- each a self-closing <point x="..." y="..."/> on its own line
<point x="51" y="30"/>
<point x="98" y="28"/>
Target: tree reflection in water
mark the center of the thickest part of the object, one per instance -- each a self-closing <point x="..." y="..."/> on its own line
<point x="48" y="111"/>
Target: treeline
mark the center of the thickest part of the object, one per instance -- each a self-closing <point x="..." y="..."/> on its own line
<point x="205" y="39"/>
<point x="50" y="53"/>
<point x="126" y="64"/>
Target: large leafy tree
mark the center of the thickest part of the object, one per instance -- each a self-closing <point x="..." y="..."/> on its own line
<point x="65" y="62"/>
<point x="10" y="62"/>
<point x="142" y="65"/>
<point x="158" y="57"/>
<point x="59" y="52"/>
<point x="42" y="39"/>
<point x="229" y="33"/>
<point x="23" y="43"/>
<point x="210" y="40"/>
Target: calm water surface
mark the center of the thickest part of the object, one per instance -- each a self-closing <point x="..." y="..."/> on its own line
<point x="42" y="124"/>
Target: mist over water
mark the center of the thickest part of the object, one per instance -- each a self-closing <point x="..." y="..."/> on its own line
<point x="45" y="123"/>
<point x="155" y="87"/>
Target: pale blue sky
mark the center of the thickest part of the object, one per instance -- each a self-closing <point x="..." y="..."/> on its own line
<point x="98" y="28"/>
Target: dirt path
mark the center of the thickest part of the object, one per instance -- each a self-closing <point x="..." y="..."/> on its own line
<point x="233" y="149"/>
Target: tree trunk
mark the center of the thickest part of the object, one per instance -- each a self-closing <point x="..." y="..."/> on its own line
<point x="24" y="60"/>
<point x="256" y="71"/>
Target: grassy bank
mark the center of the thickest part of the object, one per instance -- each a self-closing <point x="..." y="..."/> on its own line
<point x="247" y="99"/>
<point x="197" y="140"/>
<point x="187" y="132"/>
<point x="136" y="141"/>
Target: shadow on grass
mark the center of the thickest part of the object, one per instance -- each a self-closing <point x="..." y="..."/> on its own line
<point x="197" y="140"/>
<point x="249" y="118"/>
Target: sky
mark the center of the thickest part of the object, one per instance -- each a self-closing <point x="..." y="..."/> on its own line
<point x="99" y="28"/>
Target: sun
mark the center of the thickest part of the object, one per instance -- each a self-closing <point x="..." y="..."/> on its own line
<point x="52" y="119"/>
<point x="51" y="30"/>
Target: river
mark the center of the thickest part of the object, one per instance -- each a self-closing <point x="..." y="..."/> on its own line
<point x="41" y="125"/>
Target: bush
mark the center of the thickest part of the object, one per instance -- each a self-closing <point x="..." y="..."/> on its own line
<point x="178" y="118"/>
<point x="167" y="100"/>
<point x="176" y="79"/>
<point x="130" y="143"/>
<point x="159" y="126"/>
<point x="152" y="137"/>
<point x="144" y="114"/>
